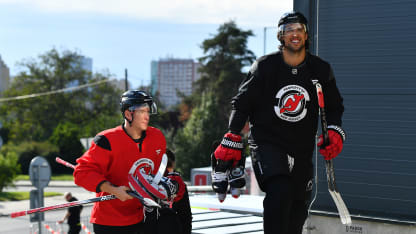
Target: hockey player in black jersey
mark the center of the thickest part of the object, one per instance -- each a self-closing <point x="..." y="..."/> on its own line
<point x="279" y="99"/>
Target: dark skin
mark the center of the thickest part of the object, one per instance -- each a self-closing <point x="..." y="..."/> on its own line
<point x="294" y="50"/>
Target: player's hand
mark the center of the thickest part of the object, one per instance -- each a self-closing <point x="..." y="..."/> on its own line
<point x="121" y="193"/>
<point x="335" y="145"/>
<point x="230" y="149"/>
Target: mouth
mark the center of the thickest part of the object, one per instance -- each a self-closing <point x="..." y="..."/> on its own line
<point x="295" y="41"/>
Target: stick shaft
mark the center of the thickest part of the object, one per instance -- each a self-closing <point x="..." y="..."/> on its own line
<point x="60" y="206"/>
<point x="65" y="163"/>
<point x="329" y="166"/>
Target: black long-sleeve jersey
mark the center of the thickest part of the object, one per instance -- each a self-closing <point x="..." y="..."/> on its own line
<point x="281" y="104"/>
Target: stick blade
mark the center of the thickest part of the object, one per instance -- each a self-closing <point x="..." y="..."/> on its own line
<point x="343" y="212"/>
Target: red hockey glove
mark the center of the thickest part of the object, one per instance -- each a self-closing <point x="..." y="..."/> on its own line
<point x="230" y="148"/>
<point x="336" y="138"/>
<point x="176" y="178"/>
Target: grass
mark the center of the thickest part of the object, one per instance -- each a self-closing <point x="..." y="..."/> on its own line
<point x="18" y="196"/>
<point x="66" y="177"/>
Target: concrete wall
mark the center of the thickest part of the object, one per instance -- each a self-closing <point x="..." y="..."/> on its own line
<point x="317" y="224"/>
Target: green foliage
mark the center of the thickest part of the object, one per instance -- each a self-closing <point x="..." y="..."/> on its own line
<point x="66" y="136"/>
<point x="168" y="122"/>
<point x="195" y="139"/>
<point x="26" y="151"/>
<point x="226" y="55"/>
<point x="35" y="119"/>
<point x="9" y="169"/>
<point x="62" y="117"/>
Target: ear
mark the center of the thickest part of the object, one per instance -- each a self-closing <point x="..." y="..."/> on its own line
<point x="128" y="115"/>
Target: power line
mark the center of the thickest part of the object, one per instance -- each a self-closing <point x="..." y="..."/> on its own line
<point x="54" y="91"/>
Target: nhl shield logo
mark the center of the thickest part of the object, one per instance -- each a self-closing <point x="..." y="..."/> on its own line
<point x="291" y="103"/>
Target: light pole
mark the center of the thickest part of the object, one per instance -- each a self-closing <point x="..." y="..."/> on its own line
<point x="264" y="38"/>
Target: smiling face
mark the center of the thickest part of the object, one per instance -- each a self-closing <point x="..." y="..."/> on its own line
<point x="293" y="36"/>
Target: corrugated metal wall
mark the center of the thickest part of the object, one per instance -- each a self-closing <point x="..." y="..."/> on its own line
<point x="371" y="45"/>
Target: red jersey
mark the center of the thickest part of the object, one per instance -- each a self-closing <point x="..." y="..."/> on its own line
<point x="110" y="158"/>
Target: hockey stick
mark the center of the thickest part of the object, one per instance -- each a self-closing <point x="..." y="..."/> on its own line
<point x="144" y="200"/>
<point x="65" y="163"/>
<point x="71" y="204"/>
<point x="330" y="174"/>
<point x="162" y="169"/>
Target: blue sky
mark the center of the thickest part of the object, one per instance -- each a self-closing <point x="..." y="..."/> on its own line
<point x="129" y="33"/>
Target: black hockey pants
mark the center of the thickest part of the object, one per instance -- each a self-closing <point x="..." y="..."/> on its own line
<point x="283" y="213"/>
<point x="131" y="229"/>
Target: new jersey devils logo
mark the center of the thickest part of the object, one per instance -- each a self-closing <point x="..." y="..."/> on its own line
<point x="291" y="103"/>
<point x="144" y="164"/>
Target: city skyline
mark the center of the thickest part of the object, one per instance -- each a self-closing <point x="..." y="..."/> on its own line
<point x="126" y="34"/>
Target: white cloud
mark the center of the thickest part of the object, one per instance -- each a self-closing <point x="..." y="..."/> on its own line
<point x="245" y="12"/>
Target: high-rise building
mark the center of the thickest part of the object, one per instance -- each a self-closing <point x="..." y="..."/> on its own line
<point x="4" y="76"/>
<point x="154" y="77"/>
<point x="171" y="75"/>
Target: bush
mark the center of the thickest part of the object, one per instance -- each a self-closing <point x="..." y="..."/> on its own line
<point x="66" y="137"/>
<point x="26" y="151"/>
<point x="9" y="168"/>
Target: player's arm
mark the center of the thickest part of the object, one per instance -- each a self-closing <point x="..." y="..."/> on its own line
<point x="91" y="167"/>
<point x="334" y="107"/>
<point x="334" y="110"/>
<point x="229" y="152"/>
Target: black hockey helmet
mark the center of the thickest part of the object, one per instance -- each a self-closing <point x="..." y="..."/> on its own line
<point x="133" y="99"/>
<point x="291" y="18"/>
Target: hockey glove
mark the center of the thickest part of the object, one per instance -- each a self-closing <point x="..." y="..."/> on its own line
<point x="236" y="178"/>
<point x="225" y="157"/>
<point x="336" y="138"/>
<point x="176" y="178"/>
<point x="230" y="148"/>
<point x="219" y="176"/>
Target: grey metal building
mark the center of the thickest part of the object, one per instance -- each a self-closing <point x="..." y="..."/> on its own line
<point x="371" y="46"/>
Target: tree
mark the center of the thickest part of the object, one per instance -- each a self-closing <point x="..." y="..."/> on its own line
<point x="9" y="169"/>
<point x="66" y="137"/>
<point x="194" y="142"/>
<point x="35" y="119"/>
<point x="226" y="54"/>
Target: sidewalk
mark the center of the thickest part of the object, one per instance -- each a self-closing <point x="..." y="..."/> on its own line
<point x="52" y="183"/>
<point x="6" y="207"/>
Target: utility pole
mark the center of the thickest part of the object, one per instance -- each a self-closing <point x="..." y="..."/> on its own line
<point x="264" y="38"/>
<point x="126" y="83"/>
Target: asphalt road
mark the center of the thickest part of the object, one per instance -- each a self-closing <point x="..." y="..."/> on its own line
<point x="22" y="225"/>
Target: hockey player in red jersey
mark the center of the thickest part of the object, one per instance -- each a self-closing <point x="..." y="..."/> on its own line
<point x="279" y="99"/>
<point x="105" y="166"/>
